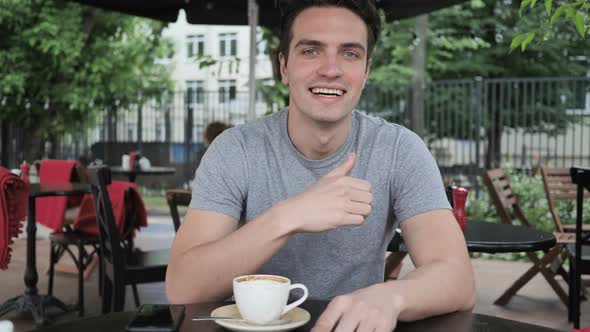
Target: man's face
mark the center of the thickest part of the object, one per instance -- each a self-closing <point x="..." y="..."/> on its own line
<point x="327" y="65"/>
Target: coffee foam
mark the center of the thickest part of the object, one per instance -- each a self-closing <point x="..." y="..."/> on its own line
<point x="255" y="278"/>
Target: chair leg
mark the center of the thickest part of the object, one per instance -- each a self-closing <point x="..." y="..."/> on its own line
<point x="52" y="260"/>
<point x="517" y="285"/>
<point x="100" y="272"/>
<point x="539" y="265"/>
<point x="135" y="295"/>
<point x="81" y="264"/>
<point x="107" y="295"/>
<point x="118" y="296"/>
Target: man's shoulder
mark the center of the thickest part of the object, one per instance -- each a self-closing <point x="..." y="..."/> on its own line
<point x="369" y="123"/>
<point x="268" y="125"/>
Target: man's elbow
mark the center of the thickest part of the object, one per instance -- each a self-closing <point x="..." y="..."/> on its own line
<point x="470" y="297"/>
<point x="177" y="291"/>
<point x="174" y="292"/>
<point x="469" y="303"/>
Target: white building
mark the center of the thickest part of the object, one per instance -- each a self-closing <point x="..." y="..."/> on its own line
<point x="225" y="81"/>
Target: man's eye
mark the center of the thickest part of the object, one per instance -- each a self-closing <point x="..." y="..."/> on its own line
<point x="350" y="54"/>
<point x="309" y="51"/>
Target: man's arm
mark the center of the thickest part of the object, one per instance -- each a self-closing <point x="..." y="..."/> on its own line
<point x="442" y="282"/>
<point x="209" y="250"/>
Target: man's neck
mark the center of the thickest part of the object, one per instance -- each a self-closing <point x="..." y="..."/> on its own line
<point x="317" y="141"/>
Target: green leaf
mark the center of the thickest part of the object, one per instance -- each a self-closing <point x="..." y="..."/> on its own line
<point x="529" y="38"/>
<point x="533" y="3"/>
<point x="558" y="13"/>
<point x="571" y="11"/>
<point x="579" y="22"/>
<point x="523" y="5"/>
<point x="516" y="41"/>
<point x="548" y="6"/>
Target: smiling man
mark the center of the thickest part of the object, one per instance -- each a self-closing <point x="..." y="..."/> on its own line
<point x="315" y="191"/>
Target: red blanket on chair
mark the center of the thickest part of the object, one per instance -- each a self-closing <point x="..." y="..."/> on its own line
<point x="86" y="219"/>
<point x="14" y="196"/>
<point x="51" y="210"/>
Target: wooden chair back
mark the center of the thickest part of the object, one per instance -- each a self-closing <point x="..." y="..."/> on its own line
<point x="504" y="198"/>
<point x="558" y="186"/>
<point x="176" y="198"/>
<point x="113" y="254"/>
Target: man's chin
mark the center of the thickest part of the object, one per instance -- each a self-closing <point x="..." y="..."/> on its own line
<point x="330" y="117"/>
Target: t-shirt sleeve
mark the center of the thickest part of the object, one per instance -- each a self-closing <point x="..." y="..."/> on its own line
<point x="221" y="178"/>
<point x="417" y="185"/>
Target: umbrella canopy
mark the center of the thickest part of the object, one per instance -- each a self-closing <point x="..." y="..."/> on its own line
<point x="235" y="12"/>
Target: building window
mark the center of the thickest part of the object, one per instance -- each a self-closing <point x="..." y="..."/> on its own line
<point x="228" y="44"/>
<point x="227" y="90"/>
<point x="195" y="45"/>
<point x="195" y="92"/>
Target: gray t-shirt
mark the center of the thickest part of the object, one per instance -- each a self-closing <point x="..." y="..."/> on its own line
<point x="250" y="168"/>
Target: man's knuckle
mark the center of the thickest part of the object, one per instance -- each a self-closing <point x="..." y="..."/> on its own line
<point x="341" y="301"/>
<point x="370" y="199"/>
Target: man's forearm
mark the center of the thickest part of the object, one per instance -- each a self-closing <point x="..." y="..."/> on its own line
<point x="205" y="272"/>
<point x="437" y="288"/>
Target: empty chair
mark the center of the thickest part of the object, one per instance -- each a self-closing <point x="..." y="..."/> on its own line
<point x="559" y="187"/>
<point x="510" y="212"/>
<point x="59" y="213"/>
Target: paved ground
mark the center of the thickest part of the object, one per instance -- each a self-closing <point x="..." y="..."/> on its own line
<point x="535" y="303"/>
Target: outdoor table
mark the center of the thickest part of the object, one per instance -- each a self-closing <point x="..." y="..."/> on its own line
<point x="31" y="300"/>
<point x="491" y="237"/>
<point x="456" y="322"/>
<point x="133" y="173"/>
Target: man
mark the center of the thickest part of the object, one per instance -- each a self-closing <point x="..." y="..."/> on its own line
<point x="315" y="192"/>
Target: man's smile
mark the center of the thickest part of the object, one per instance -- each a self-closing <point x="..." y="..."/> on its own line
<point x="327" y="91"/>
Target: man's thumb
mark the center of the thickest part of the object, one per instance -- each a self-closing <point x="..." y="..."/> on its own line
<point x="345" y="167"/>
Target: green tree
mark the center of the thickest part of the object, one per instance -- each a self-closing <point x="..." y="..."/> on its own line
<point x="577" y="13"/>
<point x="473" y="40"/>
<point x="62" y="63"/>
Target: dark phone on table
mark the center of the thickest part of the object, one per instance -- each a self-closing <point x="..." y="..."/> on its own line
<point x="156" y="318"/>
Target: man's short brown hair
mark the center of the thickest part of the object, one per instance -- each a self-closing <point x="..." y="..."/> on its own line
<point x="365" y="9"/>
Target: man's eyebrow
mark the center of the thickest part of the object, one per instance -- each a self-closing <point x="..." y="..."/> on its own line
<point x="308" y="42"/>
<point x="354" y="45"/>
<point x="312" y="42"/>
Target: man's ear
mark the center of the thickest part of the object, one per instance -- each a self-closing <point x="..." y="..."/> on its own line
<point x="283" y="69"/>
<point x="368" y="69"/>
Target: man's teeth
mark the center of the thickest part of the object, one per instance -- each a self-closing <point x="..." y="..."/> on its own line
<point x="325" y="91"/>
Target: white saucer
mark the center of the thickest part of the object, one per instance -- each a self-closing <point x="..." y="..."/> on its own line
<point x="296" y="317"/>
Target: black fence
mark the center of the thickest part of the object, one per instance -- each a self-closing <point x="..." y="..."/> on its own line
<point x="468" y="125"/>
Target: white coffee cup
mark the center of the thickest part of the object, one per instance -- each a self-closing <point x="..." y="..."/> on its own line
<point x="262" y="298"/>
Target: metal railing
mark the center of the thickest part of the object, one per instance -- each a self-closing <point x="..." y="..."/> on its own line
<point x="468" y="124"/>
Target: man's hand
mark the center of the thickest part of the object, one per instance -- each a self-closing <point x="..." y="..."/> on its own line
<point x="335" y="200"/>
<point x="371" y="309"/>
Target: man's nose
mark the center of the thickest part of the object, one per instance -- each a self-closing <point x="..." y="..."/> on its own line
<point x="330" y="67"/>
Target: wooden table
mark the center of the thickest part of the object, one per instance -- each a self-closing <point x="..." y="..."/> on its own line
<point x="455" y="322"/>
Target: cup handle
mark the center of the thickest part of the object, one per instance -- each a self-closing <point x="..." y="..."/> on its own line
<point x="299" y="301"/>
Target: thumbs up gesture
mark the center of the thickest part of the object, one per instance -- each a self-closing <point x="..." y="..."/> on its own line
<point x="333" y="201"/>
